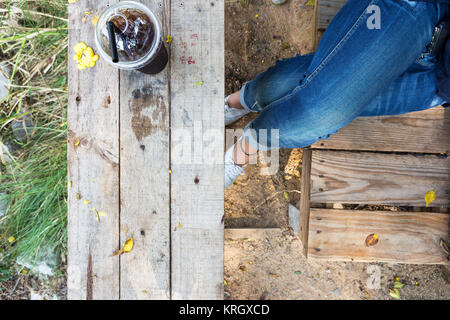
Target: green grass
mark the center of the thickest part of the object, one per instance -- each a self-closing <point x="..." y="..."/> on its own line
<point x="33" y="42"/>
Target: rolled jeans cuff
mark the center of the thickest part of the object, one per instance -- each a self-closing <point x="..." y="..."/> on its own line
<point x="242" y="97"/>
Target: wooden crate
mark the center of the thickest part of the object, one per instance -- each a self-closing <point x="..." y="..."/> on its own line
<point x="378" y="161"/>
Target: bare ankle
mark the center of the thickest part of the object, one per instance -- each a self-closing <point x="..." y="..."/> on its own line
<point x="242" y="153"/>
<point x="234" y="102"/>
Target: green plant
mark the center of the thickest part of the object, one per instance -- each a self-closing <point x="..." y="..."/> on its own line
<point x="33" y="44"/>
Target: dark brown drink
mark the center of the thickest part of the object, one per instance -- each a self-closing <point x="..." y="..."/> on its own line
<point x="137" y="39"/>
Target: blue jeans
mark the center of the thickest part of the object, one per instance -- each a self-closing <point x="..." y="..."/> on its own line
<point x="356" y="71"/>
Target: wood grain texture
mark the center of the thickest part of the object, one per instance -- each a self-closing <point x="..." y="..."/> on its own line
<point x="422" y="132"/>
<point x="92" y="168"/>
<point x="144" y="177"/>
<point x="376" y="178"/>
<point x="327" y="9"/>
<point x="404" y="237"/>
<point x="316" y="38"/>
<point x="197" y="118"/>
<point x="305" y="199"/>
<point x="123" y="161"/>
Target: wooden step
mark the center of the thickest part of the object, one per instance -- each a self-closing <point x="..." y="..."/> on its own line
<point x="326" y="10"/>
<point x="378" y="178"/>
<point x="404" y="237"/>
<point x="419" y="132"/>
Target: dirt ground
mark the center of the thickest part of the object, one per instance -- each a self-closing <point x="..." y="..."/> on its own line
<point x="256" y="36"/>
<point x="269" y="265"/>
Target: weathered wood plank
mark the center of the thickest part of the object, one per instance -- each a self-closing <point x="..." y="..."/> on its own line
<point x="422" y="132"/>
<point x="305" y="199"/>
<point x="376" y="178"/>
<point x="197" y="119"/>
<point x="144" y="178"/>
<point x="327" y="9"/>
<point x="316" y="38"/>
<point x="404" y="237"/>
<point x="92" y="168"/>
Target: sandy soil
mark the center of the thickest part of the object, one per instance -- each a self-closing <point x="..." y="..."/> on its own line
<point x="269" y="265"/>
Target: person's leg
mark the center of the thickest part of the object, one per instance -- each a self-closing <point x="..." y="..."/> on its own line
<point x="272" y="84"/>
<point x="280" y="80"/>
<point x="353" y="65"/>
<point x="267" y="87"/>
<point x="414" y="90"/>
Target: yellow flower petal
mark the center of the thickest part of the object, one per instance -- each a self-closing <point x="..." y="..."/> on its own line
<point x="11" y="239"/>
<point x="85" y="56"/>
<point x="80" y="47"/>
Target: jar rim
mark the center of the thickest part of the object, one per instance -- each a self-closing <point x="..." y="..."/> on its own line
<point x="141" y="62"/>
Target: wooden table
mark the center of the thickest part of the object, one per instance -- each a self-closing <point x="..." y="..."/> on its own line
<point x="126" y="130"/>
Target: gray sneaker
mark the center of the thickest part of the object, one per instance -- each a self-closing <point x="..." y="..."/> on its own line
<point x="232" y="170"/>
<point x="232" y="114"/>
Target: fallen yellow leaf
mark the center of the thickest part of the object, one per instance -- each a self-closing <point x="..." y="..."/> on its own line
<point x="430" y="196"/>
<point x="395" y="293"/>
<point x="372" y="239"/>
<point x="11" y="239"/>
<point x="127" y="247"/>
<point x="179" y="226"/>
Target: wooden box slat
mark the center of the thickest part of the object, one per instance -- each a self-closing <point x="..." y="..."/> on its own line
<point x="197" y="122"/>
<point x="377" y="178"/>
<point x="419" y="132"/>
<point x="93" y="169"/>
<point x="144" y="178"/>
<point x="327" y="9"/>
<point x="404" y="237"/>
